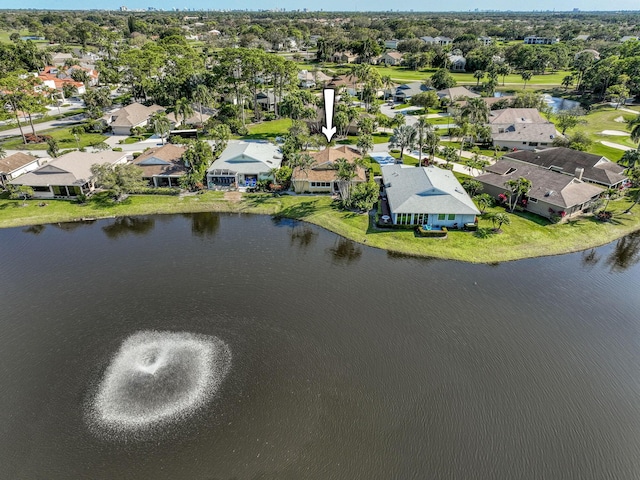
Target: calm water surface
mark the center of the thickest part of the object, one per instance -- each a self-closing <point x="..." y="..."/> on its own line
<point x="348" y="362"/>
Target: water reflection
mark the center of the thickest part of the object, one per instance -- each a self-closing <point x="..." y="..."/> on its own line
<point x="204" y="224"/>
<point x="34" y="229"/>
<point x="125" y="225"/>
<point x="71" y="226"/>
<point x="590" y="258"/>
<point x="345" y="251"/>
<point x="626" y="253"/>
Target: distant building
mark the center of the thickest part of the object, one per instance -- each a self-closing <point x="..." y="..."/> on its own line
<point x="485" y="40"/>
<point x="628" y="38"/>
<point x="535" y="40"/>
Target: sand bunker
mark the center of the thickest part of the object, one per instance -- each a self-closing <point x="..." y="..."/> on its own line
<point x="617" y="133"/>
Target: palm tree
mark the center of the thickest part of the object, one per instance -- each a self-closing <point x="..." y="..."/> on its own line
<point x="630" y="158"/>
<point x="423" y="127"/>
<point x="503" y="69"/>
<point x="183" y="108"/>
<point x="403" y="137"/>
<point x="203" y="96"/>
<point x="634" y="126"/>
<point x="476" y="111"/>
<point x="346" y="172"/>
<point x="387" y="84"/>
<point x="500" y="219"/>
<point x="161" y="126"/>
<point x="484" y="201"/>
<point x="365" y="143"/>
<point x="303" y="163"/>
<point x="526" y="76"/>
<point x="3" y="152"/>
<point x="567" y="81"/>
<point x="610" y="193"/>
<point x="517" y="188"/>
<point x="478" y="75"/>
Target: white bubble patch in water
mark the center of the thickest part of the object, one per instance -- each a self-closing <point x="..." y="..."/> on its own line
<point x="157" y="378"/>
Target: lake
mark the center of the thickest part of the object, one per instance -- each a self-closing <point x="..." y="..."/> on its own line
<point x="346" y="362"/>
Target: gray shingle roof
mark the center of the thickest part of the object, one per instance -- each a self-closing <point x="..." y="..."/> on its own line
<point x="597" y="168"/>
<point x="425" y="190"/>
<point x="554" y="188"/>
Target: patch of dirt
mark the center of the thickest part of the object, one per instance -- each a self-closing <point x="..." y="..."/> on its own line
<point x="619" y="119"/>
<point x="234" y="197"/>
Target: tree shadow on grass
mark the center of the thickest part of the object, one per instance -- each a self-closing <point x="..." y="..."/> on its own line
<point x="299" y="210"/>
<point x="106" y="200"/>
<point x="484" y="232"/>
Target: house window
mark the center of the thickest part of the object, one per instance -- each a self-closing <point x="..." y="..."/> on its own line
<point x="41" y="189"/>
<point x="452" y="216"/>
<point x="320" y="184"/>
<point x="442" y="216"/>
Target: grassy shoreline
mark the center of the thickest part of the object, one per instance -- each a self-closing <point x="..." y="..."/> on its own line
<point x="526" y="237"/>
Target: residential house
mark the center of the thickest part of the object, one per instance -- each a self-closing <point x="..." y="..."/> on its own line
<point x="15" y="165"/>
<point x="594" y="53"/>
<point x="350" y="82"/>
<point x="485" y="40"/>
<point x="391" y="58"/>
<point x="391" y="44"/>
<point x="134" y="115"/>
<point x="322" y="175"/>
<point x="312" y="79"/>
<point x="426" y="196"/>
<point x="52" y="81"/>
<point x="192" y="120"/>
<point x="60" y="58"/>
<point x="585" y="166"/>
<point x="521" y="129"/>
<point x="535" y="40"/>
<point x="457" y="63"/>
<point x="243" y="163"/>
<point x="162" y="166"/>
<point x="343" y="57"/>
<point x="456" y="93"/>
<point x="437" y="40"/>
<point x="266" y="100"/>
<point x="582" y="38"/>
<point x="552" y="193"/>
<point x="68" y="175"/>
<point x="406" y="91"/>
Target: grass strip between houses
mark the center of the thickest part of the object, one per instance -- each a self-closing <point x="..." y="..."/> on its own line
<point x="527" y="236"/>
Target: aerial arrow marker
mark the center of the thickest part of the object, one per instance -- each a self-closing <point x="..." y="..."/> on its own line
<point x="329" y="131"/>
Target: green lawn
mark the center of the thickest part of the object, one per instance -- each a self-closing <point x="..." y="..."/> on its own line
<point x="136" y="138"/>
<point x="403" y="74"/>
<point x="604" y="118"/>
<point x="64" y="137"/>
<point x="268" y="130"/>
<point x="525" y="237"/>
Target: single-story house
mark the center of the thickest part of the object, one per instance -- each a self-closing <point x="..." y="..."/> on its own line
<point x="135" y="115"/>
<point x="551" y="193"/>
<point x="321" y="176"/>
<point x="243" y="163"/>
<point x="54" y="83"/>
<point x="485" y="40"/>
<point x="162" y="166"/>
<point x="60" y="58"/>
<point x="311" y="79"/>
<point x="535" y="40"/>
<point x="426" y="196"/>
<point x="457" y="63"/>
<point x="437" y="40"/>
<point x="391" y="44"/>
<point x="12" y="166"/>
<point x="68" y="175"/>
<point x="585" y="166"/>
<point x="456" y="93"/>
<point x="521" y="129"/>
<point x="343" y="57"/>
<point x="406" y="91"/>
<point x="391" y="58"/>
<point x="194" y="119"/>
<point x="350" y="82"/>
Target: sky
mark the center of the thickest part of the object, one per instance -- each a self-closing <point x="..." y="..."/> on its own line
<point x="327" y="5"/>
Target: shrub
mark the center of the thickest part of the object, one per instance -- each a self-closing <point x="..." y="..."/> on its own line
<point x="156" y="191"/>
<point x="117" y="149"/>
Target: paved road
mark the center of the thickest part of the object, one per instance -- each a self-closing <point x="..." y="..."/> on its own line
<point x="44" y="125"/>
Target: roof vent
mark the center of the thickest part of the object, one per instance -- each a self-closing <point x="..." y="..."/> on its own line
<point x="549" y="193"/>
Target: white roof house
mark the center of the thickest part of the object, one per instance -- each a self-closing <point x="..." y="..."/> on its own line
<point x="243" y="163"/>
<point x="69" y="175"/>
<point x="426" y="196"/>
